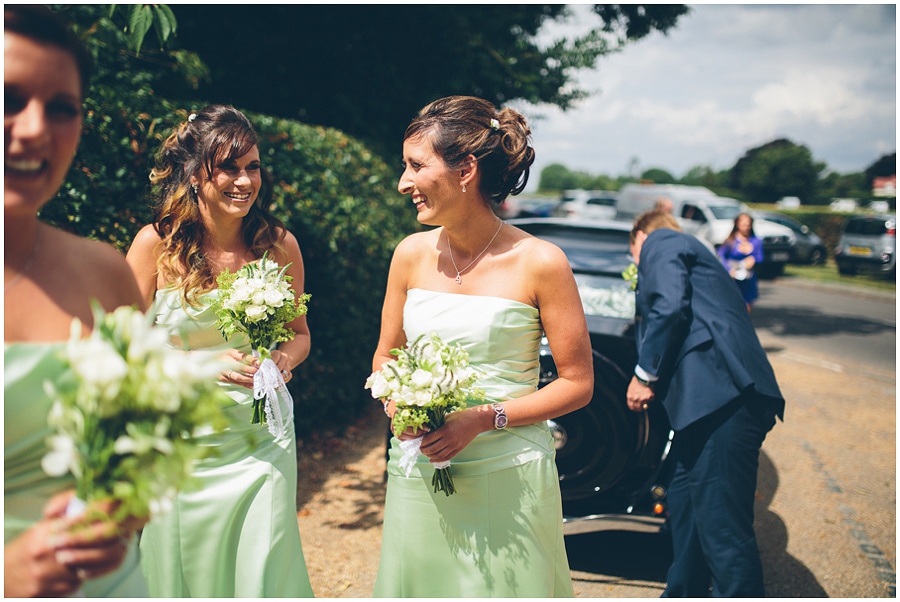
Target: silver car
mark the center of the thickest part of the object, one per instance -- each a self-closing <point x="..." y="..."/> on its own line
<point x="868" y="243"/>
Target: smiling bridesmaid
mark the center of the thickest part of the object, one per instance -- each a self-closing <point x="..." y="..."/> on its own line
<point x="236" y="535"/>
<point x="50" y="277"/>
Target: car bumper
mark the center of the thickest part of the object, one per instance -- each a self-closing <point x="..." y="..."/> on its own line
<point x="874" y="263"/>
<point x="576" y="525"/>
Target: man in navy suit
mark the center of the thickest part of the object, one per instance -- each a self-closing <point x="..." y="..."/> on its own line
<point x="698" y="355"/>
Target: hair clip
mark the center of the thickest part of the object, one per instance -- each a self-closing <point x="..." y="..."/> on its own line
<point x="192" y="117"/>
<point x="495" y="125"/>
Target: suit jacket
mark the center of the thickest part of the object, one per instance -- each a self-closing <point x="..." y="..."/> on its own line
<point x="694" y="331"/>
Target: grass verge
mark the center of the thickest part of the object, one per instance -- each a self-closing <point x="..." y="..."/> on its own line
<point x="829" y="273"/>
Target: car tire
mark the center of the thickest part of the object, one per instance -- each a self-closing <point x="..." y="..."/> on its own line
<point x="598" y="444"/>
<point x="846" y="270"/>
<point x="817" y="256"/>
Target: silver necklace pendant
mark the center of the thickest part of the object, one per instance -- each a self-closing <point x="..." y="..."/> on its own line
<point x="453" y="261"/>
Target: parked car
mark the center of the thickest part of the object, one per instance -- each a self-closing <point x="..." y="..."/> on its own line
<point x="868" y="243"/>
<point x="587" y="205"/>
<point x="810" y="248"/>
<point x="526" y="205"/>
<point x="788" y="202"/>
<point x="612" y="464"/>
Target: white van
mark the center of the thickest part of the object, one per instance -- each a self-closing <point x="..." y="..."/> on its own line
<point x="701" y="212"/>
<point x="634" y="199"/>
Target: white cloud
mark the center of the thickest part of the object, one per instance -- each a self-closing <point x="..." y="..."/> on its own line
<point x="728" y="78"/>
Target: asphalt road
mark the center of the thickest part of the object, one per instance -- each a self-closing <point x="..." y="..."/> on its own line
<point x="826" y="500"/>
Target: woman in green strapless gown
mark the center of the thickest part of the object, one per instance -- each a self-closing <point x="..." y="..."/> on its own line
<point x="50" y="277"/>
<point x="494" y="290"/>
<point x="236" y="534"/>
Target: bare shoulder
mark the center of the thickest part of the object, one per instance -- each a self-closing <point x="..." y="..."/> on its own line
<point x="144" y="244"/>
<point x="100" y="268"/>
<point x="537" y="252"/>
<point x="417" y="244"/>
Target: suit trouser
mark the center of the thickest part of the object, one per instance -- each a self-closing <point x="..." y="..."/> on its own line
<point x="711" y="502"/>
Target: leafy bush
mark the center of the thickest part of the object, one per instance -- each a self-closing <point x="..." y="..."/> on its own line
<point x="340" y="201"/>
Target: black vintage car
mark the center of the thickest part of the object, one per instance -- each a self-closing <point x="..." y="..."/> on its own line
<point x="612" y="461"/>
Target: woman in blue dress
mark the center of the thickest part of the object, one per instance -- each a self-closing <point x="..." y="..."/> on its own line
<point x="740" y="254"/>
<point x="495" y="290"/>
<point x="50" y="278"/>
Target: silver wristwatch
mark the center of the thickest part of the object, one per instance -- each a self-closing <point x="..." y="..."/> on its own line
<point x="500" y="418"/>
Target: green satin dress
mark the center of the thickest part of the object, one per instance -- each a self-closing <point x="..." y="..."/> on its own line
<point x="236" y="536"/>
<point x="26" y="488"/>
<point x="501" y="533"/>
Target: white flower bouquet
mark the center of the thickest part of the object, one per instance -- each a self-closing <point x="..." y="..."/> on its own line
<point x="124" y="412"/>
<point x="428" y="380"/>
<point x="258" y="301"/>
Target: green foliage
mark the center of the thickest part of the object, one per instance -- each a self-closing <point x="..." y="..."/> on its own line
<point x="141" y="17"/>
<point x="886" y="165"/>
<point x="777" y="169"/>
<point x="556" y="178"/>
<point x="340" y="201"/>
<point x="104" y="196"/>
<point x="367" y="69"/>
<point x="659" y="176"/>
<point x="835" y="185"/>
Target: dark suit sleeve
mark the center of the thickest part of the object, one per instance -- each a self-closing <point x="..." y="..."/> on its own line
<point x="665" y="289"/>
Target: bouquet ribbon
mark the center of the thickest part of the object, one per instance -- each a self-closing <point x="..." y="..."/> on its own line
<point x="269" y="383"/>
<point x="410" y="449"/>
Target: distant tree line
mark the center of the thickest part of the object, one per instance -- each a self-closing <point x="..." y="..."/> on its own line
<point x="764" y="174"/>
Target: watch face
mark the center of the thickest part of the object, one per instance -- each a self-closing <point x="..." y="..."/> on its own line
<point x="500" y="421"/>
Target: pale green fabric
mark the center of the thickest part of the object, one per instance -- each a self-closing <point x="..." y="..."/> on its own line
<point x="237" y="534"/>
<point x="26" y="488"/>
<point x="501" y="533"/>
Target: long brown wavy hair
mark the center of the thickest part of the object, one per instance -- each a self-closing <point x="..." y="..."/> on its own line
<point x="459" y="126"/>
<point x="210" y="139"/>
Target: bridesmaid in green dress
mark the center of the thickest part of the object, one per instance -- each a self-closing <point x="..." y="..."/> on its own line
<point x="237" y="535"/>
<point x="495" y="290"/>
<point x="50" y="277"/>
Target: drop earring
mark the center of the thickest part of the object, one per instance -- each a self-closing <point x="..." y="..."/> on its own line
<point x="464" y="187"/>
<point x="194" y="188"/>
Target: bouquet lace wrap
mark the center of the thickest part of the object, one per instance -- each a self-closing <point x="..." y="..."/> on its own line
<point x="268" y="383"/>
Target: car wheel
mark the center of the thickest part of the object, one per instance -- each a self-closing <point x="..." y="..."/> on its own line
<point x="846" y="270"/>
<point x="817" y="256"/>
<point x="597" y="444"/>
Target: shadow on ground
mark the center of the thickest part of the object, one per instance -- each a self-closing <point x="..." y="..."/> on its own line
<point x="640" y="560"/>
<point x="327" y="456"/>
<point x="802" y="321"/>
<point x="615" y="556"/>
<point x="785" y="576"/>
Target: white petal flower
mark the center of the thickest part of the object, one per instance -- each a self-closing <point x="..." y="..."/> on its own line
<point x="379" y="385"/>
<point x="61" y="457"/>
<point x="255" y="313"/>
<point x="422" y="378"/>
<point x="98" y="364"/>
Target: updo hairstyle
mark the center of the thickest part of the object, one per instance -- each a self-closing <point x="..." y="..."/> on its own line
<point x="211" y="138"/>
<point x="459" y="126"/>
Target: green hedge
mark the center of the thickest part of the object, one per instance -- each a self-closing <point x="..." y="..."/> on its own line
<point x="335" y="195"/>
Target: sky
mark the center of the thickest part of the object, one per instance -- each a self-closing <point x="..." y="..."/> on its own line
<point x="726" y="79"/>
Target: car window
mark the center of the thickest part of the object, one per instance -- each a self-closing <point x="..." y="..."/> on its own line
<point x="865" y="226"/>
<point x="603" y="201"/>
<point x="725" y="211"/>
<point x="692" y="213"/>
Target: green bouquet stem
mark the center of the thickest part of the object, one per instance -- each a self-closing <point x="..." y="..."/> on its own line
<point x="442" y="481"/>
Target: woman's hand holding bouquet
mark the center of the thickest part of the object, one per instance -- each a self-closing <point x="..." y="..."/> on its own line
<point x="428" y="380"/>
<point x="258" y="301"/>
